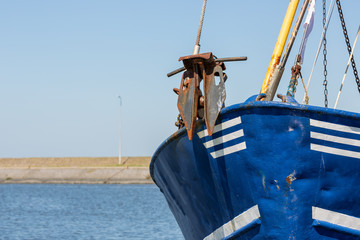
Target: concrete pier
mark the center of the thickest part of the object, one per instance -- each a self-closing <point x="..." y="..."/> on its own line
<point x="134" y="170"/>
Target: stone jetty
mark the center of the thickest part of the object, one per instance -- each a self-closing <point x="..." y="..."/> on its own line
<point x="73" y="170"/>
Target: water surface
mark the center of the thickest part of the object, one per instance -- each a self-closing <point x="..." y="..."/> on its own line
<point x="81" y="211"/>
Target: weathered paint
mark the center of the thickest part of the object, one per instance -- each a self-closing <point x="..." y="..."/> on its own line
<point x="278" y="171"/>
<point x="279" y="46"/>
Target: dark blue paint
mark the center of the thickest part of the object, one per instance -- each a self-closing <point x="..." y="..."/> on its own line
<point x="204" y="193"/>
<point x="244" y="230"/>
<point x="343" y="232"/>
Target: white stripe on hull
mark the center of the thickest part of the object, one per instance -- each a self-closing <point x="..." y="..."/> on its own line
<point x="229" y="150"/>
<point x="224" y="139"/>
<point x="336" y="151"/>
<point x="335" y="139"/>
<point x="333" y="126"/>
<point x="321" y="147"/>
<point x="221" y="126"/>
<point x="336" y="218"/>
<point x="240" y="221"/>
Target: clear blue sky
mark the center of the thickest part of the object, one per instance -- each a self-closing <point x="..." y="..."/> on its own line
<point x="64" y="64"/>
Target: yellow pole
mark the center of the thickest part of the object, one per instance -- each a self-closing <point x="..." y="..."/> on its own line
<point x="280" y="44"/>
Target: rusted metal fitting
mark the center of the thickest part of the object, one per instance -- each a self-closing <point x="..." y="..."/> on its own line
<point x="229" y="59"/>
<point x="176" y="90"/>
<point x="202" y="101"/>
<point x="295" y="70"/>
<point x="260" y="96"/>
<point x="191" y="103"/>
<point x="282" y="97"/>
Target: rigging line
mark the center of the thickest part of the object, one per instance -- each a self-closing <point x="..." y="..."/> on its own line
<point x="306" y="94"/>
<point x="332" y="4"/>
<point x="347" y="67"/>
<point x="347" y="41"/>
<point x="197" y="44"/>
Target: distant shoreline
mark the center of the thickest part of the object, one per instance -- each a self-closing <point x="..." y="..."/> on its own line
<point x="104" y="170"/>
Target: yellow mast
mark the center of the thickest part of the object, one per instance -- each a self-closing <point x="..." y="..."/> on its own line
<point x="279" y="47"/>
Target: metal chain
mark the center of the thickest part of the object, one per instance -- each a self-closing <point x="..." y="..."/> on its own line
<point x="325" y="53"/>
<point x="348" y="44"/>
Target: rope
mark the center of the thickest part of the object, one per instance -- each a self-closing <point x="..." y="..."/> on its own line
<point x="332" y="4"/>
<point x="197" y="44"/>
<point x="347" y="67"/>
<point x="306" y="93"/>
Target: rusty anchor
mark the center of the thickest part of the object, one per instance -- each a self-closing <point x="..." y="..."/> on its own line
<point x="191" y="103"/>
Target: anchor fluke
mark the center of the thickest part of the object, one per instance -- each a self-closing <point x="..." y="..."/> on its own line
<point x="215" y="95"/>
<point x="188" y="100"/>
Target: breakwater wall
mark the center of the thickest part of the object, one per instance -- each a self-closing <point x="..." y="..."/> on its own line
<point x="95" y="170"/>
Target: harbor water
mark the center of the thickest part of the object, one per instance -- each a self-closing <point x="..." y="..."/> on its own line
<point x="81" y="211"/>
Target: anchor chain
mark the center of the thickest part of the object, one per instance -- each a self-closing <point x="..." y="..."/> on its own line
<point x="325" y="60"/>
<point x="348" y="43"/>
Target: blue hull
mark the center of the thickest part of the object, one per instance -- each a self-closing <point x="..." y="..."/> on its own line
<point x="270" y="171"/>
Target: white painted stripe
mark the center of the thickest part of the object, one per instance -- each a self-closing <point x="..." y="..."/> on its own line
<point x="335" y="139"/>
<point x="336" y="218"/>
<point x="229" y="150"/>
<point x="221" y="126"/>
<point x="235" y="224"/>
<point x="333" y="126"/>
<point x="247" y="217"/>
<point x="224" y="139"/>
<point x="336" y="151"/>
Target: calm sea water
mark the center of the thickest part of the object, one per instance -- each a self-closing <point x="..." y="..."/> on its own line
<point x="80" y="211"/>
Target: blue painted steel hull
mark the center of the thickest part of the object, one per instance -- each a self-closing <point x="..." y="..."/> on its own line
<point x="271" y="171"/>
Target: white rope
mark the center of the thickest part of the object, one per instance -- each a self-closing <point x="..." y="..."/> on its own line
<point x="347" y="67"/>
<point x="306" y="94"/>
<point x="197" y="44"/>
<point x="320" y="44"/>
